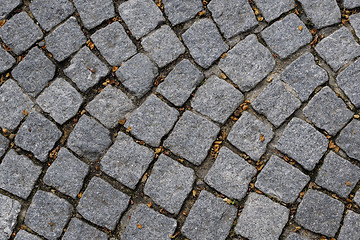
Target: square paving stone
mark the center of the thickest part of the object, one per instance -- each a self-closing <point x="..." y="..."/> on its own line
<point x="171" y="47"/>
<point x="137" y="74"/>
<point x="114" y="44"/>
<point x="327" y="111"/>
<point x="247" y="63"/>
<point x="233" y="16"/>
<point x="284" y="36"/>
<point x="102" y="204"/>
<point x="356" y="199"/>
<point x="12" y="104"/>
<point x="204" y="42"/>
<point x="355" y="23"/>
<point x="276" y="103"/>
<point x="145" y="224"/>
<point x="50" y="13"/>
<point x="85" y="69"/>
<point x="7" y="6"/>
<point x="89" y="139"/>
<point x="180" y="83"/>
<point x="24" y="235"/>
<point x="82" y="231"/>
<point x="217" y="99"/>
<point x="169" y="184"/>
<point x="109" y="106"/>
<point x="351" y="3"/>
<point x="279" y="179"/>
<point x="37" y="135"/>
<point x="18" y="174"/>
<point x="9" y="210"/>
<point x="348" y="81"/>
<point x="181" y="11"/>
<point x="209" y="218"/>
<point x="303" y="143"/>
<point x="4" y="143"/>
<point x="261" y="218"/>
<point x="294" y="236"/>
<point x="304" y="75"/>
<point x="349" y="140"/>
<point x="20" y="33"/>
<point x="6" y="60"/>
<point x="230" y="174"/>
<point x="338" y="48"/>
<point x="152" y="120"/>
<point x="60" y="100"/>
<point x="94" y="12"/>
<point x="272" y="9"/>
<point x="141" y="16"/>
<point x="66" y="173"/>
<point x="251" y="135"/>
<point x="351" y="227"/>
<point x="65" y="39"/>
<point x="192" y="137"/>
<point x="319" y="213"/>
<point x="127" y="161"/>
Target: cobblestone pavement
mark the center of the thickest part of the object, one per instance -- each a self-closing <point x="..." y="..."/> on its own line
<point x="180" y="119"/>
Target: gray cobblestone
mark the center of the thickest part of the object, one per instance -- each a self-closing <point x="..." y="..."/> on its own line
<point x="23" y="235"/>
<point x="355" y="23"/>
<point x="357" y="198"/>
<point x="181" y="11"/>
<point x="347" y="81"/>
<point x="351" y="3"/>
<point x="82" y="231"/>
<point x="271" y="11"/>
<point x="9" y="210"/>
<point x="4" y="143"/>
<point x="294" y="236"/>
<point x="351" y="227"/>
<point x="6" y="60"/>
<point x="349" y="141"/>
<point x="7" y="6"/>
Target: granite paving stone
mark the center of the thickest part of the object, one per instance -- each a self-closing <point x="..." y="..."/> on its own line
<point x="181" y="11"/>
<point x="82" y="231"/>
<point x="348" y="82"/>
<point x="9" y="210"/>
<point x="351" y="3"/>
<point x="357" y="198"/>
<point x="355" y="23"/>
<point x="351" y="227"/>
<point x="6" y="60"/>
<point x="294" y="236"/>
<point x="24" y="235"/>
<point x="272" y="9"/>
<point x="349" y="141"/>
<point x="7" y="6"/>
<point x="4" y="143"/>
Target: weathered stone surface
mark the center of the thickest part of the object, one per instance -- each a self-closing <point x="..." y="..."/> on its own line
<point x="351" y="3"/>
<point x="351" y="227"/>
<point x="357" y="198"/>
<point x="272" y="9"/>
<point x="23" y="235"/>
<point x="348" y="82"/>
<point x="294" y="236"/>
<point x="4" y="143"/>
<point x="355" y="23"/>
<point x="349" y="140"/>
<point x="181" y="11"/>
<point x="82" y="231"/>
<point x="9" y="210"/>
<point x="6" y="60"/>
<point x="7" y="6"/>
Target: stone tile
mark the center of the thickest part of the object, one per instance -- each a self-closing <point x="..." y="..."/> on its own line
<point x="66" y="173"/>
<point x="114" y="44"/>
<point x="7" y="6"/>
<point x="171" y="47"/>
<point x="181" y="11"/>
<point x="204" y="42"/>
<point x="304" y="75"/>
<point x="272" y="9"/>
<point x="152" y="120"/>
<point x="9" y="210"/>
<point x="349" y="141"/>
<point x="351" y="227"/>
<point x="23" y="235"/>
<point x="319" y="213"/>
<point x="192" y="137"/>
<point x="180" y="83"/>
<point x="251" y="135"/>
<point x="141" y="16"/>
<point x="348" y="82"/>
<point x="294" y="236"/>
<point x="261" y="218"/>
<point x="18" y="174"/>
<point x="209" y="218"/>
<point x="6" y="60"/>
<point x="276" y="103"/>
<point x="338" y="48"/>
<point x="279" y="179"/>
<point x="89" y="139"/>
<point x="4" y="143"/>
<point x="37" y="135"/>
<point x="303" y="143"/>
<point x="284" y="36"/>
<point x="65" y="39"/>
<point x="230" y="174"/>
<point x="356" y="199"/>
<point x="102" y="204"/>
<point x="82" y="231"/>
<point x="127" y="161"/>
<point x="355" y="23"/>
<point x="20" y="33"/>
<point x="109" y="106"/>
<point x="154" y="225"/>
<point x="351" y="3"/>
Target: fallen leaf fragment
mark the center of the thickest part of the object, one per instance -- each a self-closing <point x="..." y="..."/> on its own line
<point x="300" y="28"/>
<point x="139" y="226"/>
<point x="262" y="137"/>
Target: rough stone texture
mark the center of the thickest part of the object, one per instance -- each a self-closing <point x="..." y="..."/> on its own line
<point x="204" y="42"/>
<point x="294" y="236"/>
<point x="171" y="47"/>
<point x="349" y="140"/>
<point x="66" y="173"/>
<point x="261" y="218"/>
<point x="152" y="120"/>
<point x="82" y="231"/>
<point x="154" y="225"/>
<point x="233" y="16"/>
<point x="356" y="199"/>
<point x="7" y="6"/>
<point x="338" y="48"/>
<point x="89" y="139"/>
<point x="319" y="213"/>
<point x="181" y="11"/>
<point x="192" y="137"/>
<point x="209" y="218"/>
<point x="303" y="143"/>
<point x="109" y="106"/>
<point x="37" y="135"/>
<point x="351" y="227"/>
<point x="351" y="3"/>
<point x="85" y="69"/>
<point x="126" y="161"/>
<point x="279" y="179"/>
<point x="60" y="100"/>
<point x="102" y="204"/>
<point x="6" y="60"/>
<point x="23" y="235"/>
<point x="180" y="82"/>
<point x="48" y="214"/>
<point x="247" y="63"/>
<point x="4" y="143"/>
<point x="230" y="174"/>
<point x="141" y="16"/>
<point x="272" y="9"/>
<point x="9" y="210"/>
<point x="276" y="103"/>
<point x="355" y="23"/>
<point x="348" y="82"/>
<point x="114" y="44"/>
<point x="169" y="184"/>
<point x="65" y="39"/>
<point x="20" y="33"/>
<point x="303" y="75"/>
<point x="137" y="74"/>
